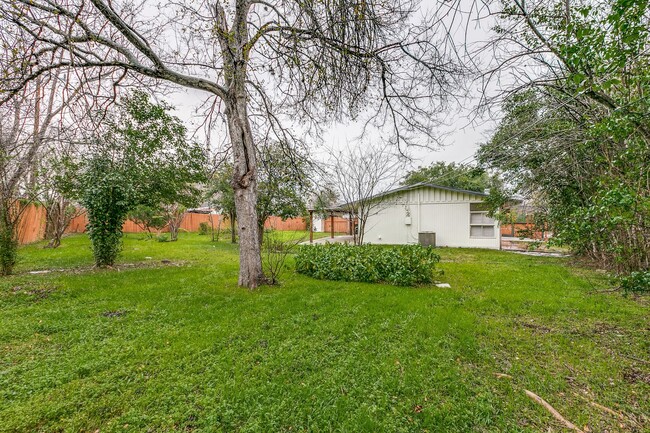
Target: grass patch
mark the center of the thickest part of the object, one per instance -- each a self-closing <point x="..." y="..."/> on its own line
<point x="160" y="347"/>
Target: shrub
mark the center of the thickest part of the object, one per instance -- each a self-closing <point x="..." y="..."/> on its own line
<point x="8" y="249"/>
<point x="275" y="250"/>
<point x="204" y="228"/>
<point x="636" y="282"/>
<point x="404" y="265"/>
<point x="148" y="218"/>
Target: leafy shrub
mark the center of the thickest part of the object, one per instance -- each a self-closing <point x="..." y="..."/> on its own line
<point x="636" y="282"/>
<point x="162" y="238"/>
<point x="148" y="218"/>
<point x="204" y="228"/>
<point x="404" y="265"/>
<point x="8" y="249"/>
<point x="107" y="197"/>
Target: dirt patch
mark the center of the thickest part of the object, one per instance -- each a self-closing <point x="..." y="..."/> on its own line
<point x="112" y="314"/>
<point x="536" y="328"/>
<point x="602" y="328"/>
<point x="120" y="267"/>
<point x="634" y="375"/>
<point x="36" y="293"/>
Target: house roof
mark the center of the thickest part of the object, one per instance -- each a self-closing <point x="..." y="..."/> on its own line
<point x="344" y="206"/>
<point x="431" y="185"/>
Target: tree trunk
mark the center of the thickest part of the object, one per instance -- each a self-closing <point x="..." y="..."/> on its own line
<point x="260" y="233"/>
<point x="233" y="233"/>
<point x="8" y="238"/>
<point x="245" y="187"/>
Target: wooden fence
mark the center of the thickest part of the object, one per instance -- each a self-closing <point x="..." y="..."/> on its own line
<point x="32" y="224"/>
<point x="517" y="229"/>
<point x="341" y="225"/>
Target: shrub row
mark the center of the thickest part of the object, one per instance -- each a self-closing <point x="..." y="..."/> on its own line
<point x="404" y="265"/>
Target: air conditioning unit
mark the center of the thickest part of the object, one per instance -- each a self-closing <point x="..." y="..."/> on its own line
<point x="427" y="239"/>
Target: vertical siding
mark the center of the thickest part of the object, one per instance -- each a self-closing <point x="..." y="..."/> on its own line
<point x="441" y="211"/>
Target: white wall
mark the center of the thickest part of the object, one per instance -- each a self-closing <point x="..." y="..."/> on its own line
<point x="319" y="224"/>
<point x="446" y="213"/>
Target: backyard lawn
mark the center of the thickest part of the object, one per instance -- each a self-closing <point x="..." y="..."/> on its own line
<point x="168" y="342"/>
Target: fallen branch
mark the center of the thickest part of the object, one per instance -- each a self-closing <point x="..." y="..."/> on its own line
<point x="608" y="410"/>
<point x="620" y="415"/>
<point x="552" y="410"/>
<point x="643" y="361"/>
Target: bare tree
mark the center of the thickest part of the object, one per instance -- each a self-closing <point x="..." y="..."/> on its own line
<point x="31" y="119"/>
<point x="173" y="214"/>
<point x="362" y="175"/>
<point x="59" y="213"/>
<point x="258" y="62"/>
<point x="54" y="176"/>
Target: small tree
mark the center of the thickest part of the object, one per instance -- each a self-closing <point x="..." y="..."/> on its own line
<point x="172" y="215"/>
<point x="8" y="239"/>
<point x="221" y="195"/>
<point x="275" y="250"/>
<point x="59" y="213"/>
<point x="143" y="159"/>
<point x="148" y="218"/>
<point x="28" y="121"/>
<point x="283" y="184"/>
<point x="362" y="175"/>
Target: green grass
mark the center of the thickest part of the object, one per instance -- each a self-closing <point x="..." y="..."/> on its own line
<point x="162" y="347"/>
<point x="300" y="235"/>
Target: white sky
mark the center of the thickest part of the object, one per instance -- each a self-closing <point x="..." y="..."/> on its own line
<point x="461" y="136"/>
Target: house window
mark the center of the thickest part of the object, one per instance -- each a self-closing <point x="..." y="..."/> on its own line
<point x="480" y="225"/>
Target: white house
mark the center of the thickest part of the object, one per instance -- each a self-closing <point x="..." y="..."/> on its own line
<point x="457" y="217"/>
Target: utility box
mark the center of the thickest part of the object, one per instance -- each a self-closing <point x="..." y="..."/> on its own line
<point x="427" y="239"/>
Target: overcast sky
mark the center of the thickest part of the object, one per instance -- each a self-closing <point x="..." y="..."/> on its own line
<point x="461" y="135"/>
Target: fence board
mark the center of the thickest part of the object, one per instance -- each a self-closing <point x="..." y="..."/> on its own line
<point x="32" y="224"/>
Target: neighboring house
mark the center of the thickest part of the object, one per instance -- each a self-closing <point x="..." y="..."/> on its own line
<point x="457" y="217"/>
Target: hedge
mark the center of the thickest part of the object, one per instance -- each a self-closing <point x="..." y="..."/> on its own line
<point x="403" y="265"/>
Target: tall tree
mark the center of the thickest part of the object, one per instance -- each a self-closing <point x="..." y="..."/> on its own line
<point x="260" y="62"/>
<point x="452" y="175"/>
<point x="574" y="135"/>
<point x="31" y="118"/>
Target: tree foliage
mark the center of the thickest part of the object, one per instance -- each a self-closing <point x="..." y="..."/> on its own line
<point x="283" y="184"/>
<point x="148" y="218"/>
<point x="221" y="195"/>
<point x="574" y="136"/>
<point x="143" y="159"/>
<point x="451" y="175"/>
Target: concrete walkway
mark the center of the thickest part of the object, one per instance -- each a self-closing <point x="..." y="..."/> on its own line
<point x="335" y="240"/>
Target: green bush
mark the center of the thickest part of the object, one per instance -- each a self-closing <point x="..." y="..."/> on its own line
<point x="636" y="282"/>
<point x="405" y="265"/>
<point x="204" y="228"/>
<point x="8" y="250"/>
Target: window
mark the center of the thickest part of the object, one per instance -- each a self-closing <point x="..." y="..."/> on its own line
<point x="480" y="225"/>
